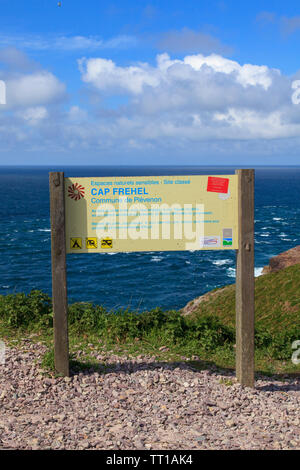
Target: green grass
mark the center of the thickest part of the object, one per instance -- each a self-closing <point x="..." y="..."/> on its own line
<point x="277" y="302"/>
<point x="207" y="337"/>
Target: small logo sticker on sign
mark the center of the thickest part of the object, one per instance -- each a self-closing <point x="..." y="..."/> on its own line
<point x="227" y="236"/>
<point x="224" y="196"/>
<point x="76" y="191"/>
<point x="213" y="241"/>
<point x="227" y="241"/>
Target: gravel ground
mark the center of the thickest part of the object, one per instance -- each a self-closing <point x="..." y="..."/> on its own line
<point x="141" y="404"/>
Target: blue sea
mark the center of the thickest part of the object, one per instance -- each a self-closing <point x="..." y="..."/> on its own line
<point x="138" y="281"/>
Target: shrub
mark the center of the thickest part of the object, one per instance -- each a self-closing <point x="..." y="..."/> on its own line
<point x="281" y="346"/>
<point x="21" y="310"/>
<point x="48" y="360"/>
<point x="205" y="332"/>
<point x="211" y="333"/>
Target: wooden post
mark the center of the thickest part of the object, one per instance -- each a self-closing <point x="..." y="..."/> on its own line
<point x="59" y="274"/>
<point x="245" y="280"/>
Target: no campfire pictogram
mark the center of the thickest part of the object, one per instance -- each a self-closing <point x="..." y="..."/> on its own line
<point x="76" y="191"/>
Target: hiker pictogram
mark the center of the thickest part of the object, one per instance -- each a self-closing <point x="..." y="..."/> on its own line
<point x="106" y="243"/>
<point x="76" y="243"/>
<point x="91" y="242"/>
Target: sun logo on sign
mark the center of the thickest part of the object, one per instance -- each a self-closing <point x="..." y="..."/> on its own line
<point x="76" y="191"/>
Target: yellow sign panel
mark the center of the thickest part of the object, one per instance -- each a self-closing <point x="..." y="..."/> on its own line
<point x="152" y="213"/>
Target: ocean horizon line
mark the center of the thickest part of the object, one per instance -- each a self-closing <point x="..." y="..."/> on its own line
<point x="149" y="166"/>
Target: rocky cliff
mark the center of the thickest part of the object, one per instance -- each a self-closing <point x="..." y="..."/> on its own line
<point x="283" y="260"/>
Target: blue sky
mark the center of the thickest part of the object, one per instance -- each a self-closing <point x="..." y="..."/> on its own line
<point x="150" y="82"/>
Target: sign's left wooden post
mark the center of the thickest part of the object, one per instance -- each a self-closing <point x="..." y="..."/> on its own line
<point x="59" y="273"/>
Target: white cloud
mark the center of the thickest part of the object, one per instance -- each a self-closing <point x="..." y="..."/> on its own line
<point x="290" y="25"/>
<point x="66" y="43"/>
<point x="187" y="40"/>
<point x="198" y="105"/>
<point x="105" y="74"/>
<point x="76" y="114"/>
<point x="33" y="89"/>
<point x="246" y="75"/>
<point x="197" y="98"/>
<point x="286" y="25"/>
<point x="15" y="59"/>
<point x="33" y="116"/>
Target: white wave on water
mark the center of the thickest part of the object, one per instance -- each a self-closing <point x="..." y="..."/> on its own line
<point x="231" y="272"/>
<point x="258" y="272"/>
<point x="156" y="258"/>
<point x="265" y="234"/>
<point x="221" y="262"/>
<point x="277" y="218"/>
<point x="44" y="230"/>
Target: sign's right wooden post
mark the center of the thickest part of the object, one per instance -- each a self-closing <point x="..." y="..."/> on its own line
<point x="245" y="309"/>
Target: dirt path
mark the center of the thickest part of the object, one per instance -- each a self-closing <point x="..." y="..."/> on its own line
<point x="142" y="404"/>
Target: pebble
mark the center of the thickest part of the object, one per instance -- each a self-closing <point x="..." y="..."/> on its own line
<point x="142" y="404"/>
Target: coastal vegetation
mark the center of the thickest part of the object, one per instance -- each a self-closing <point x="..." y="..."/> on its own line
<point x="204" y="337"/>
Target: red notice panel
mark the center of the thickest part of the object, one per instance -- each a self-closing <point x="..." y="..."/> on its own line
<point x="217" y="185"/>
